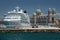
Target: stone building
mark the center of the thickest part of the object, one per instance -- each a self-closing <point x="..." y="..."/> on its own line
<point x="44" y="19"/>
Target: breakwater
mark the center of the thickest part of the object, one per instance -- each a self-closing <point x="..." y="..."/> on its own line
<point x="30" y="30"/>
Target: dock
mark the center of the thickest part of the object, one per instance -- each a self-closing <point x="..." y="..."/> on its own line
<point x="30" y="30"/>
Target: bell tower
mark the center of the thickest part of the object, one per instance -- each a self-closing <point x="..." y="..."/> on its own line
<point x="51" y="16"/>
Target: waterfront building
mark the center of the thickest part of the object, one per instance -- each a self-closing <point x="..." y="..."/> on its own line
<point x="39" y="18"/>
<point x="44" y="19"/>
<point x="1" y="24"/>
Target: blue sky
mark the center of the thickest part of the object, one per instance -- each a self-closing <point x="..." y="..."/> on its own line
<point x="29" y="5"/>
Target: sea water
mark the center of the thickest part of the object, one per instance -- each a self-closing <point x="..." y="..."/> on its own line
<point x="29" y="36"/>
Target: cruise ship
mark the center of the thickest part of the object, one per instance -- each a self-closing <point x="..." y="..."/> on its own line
<point x="17" y="18"/>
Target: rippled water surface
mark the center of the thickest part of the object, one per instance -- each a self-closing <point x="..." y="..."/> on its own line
<point x="29" y="36"/>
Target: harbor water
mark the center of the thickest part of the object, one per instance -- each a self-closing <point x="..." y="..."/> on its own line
<point x="29" y="36"/>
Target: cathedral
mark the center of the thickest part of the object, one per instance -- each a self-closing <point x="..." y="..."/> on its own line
<point x="44" y="19"/>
